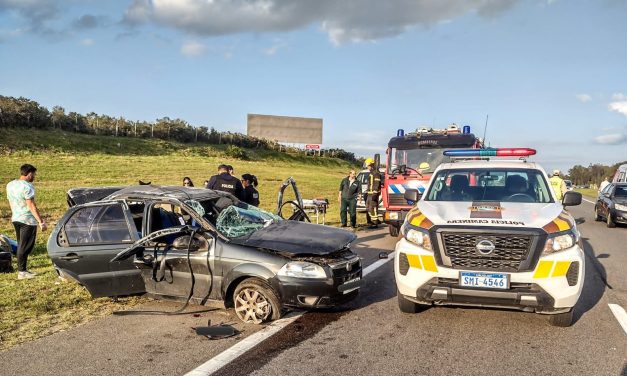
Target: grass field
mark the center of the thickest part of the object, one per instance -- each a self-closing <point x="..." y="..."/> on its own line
<point x="590" y="193"/>
<point x="31" y="309"/>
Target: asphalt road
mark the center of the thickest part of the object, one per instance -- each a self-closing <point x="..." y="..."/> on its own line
<point x="370" y="336"/>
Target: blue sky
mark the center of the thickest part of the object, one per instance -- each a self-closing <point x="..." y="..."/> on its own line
<point x="550" y="74"/>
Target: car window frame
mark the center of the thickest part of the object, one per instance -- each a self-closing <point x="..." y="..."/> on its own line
<point x="127" y="217"/>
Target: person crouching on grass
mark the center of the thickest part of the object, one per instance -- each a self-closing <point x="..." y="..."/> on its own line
<point x="25" y="216"/>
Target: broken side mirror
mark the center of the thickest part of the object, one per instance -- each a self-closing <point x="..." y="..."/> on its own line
<point x="412" y="196"/>
<point x="571" y="198"/>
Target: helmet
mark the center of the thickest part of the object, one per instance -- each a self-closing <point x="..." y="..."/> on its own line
<point x="556" y="173"/>
<point x="369" y="161"/>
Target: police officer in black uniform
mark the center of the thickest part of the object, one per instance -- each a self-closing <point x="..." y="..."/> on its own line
<point x="225" y="182"/>
<point x="251" y="195"/>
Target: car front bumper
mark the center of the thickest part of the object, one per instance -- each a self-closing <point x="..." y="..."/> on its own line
<point x="546" y="289"/>
<point x="619" y="216"/>
<point x="312" y="293"/>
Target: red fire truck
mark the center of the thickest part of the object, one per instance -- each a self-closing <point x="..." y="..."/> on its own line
<point x="411" y="160"/>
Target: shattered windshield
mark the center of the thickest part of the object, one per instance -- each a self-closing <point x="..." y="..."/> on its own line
<point x="242" y="220"/>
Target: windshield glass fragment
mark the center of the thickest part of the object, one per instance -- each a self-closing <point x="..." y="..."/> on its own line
<point x="236" y="222"/>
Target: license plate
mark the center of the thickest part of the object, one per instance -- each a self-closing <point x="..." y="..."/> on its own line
<point x="484" y="280"/>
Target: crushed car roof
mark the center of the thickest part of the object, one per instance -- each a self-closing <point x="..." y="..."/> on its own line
<point x="156" y="191"/>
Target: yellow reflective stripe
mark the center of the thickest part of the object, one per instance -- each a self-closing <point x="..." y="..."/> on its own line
<point x="418" y="220"/>
<point x="561" y="267"/>
<point x="429" y="263"/>
<point x="543" y="269"/>
<point x="561" y="224"/>
<point x="414" y="261"/>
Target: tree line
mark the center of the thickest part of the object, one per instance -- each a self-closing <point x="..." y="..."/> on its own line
<point x="594" y="174"/>
<point x="25" y="113"/>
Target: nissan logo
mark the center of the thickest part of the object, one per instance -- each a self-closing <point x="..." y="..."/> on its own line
<point x="485" y="247"/>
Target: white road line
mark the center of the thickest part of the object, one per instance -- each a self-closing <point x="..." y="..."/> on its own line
<point x="586" y="200"/>
<point x="620" y="314"/>
<point x="227" y="356"/>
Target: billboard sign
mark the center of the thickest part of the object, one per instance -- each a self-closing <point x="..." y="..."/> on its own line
<point x="312" y="147"/>
<point x="295" y="130"/>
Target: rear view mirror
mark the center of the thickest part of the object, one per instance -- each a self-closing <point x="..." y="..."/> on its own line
<point x="571" y="198"/>
<point x="412" y="196"/>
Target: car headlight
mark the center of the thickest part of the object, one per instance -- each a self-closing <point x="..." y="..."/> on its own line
<point x="302" y="269"/>
<point x="560" y="242"/>
<point x="417" y="236"/>
<point x="620" y="207"/>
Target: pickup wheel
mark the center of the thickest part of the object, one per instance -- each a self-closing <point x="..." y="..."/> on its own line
<point x="407" y="306"/>
<point x="562" y="319"/>
<point x="255" y="302"/>
<point x="393" y="230"/>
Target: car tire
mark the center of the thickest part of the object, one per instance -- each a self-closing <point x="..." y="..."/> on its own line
<point x="562" y="319"/>
<point x="255" y="302"/>
<point x="597" y="217"/>
<point x="393" y="230"/>
<point x="407" y="306"/>
<point x="610" y="223"/>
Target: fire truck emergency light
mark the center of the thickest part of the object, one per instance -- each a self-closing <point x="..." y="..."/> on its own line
<point x="492" y="152"/>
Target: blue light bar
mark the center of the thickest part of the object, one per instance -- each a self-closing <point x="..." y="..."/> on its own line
<point x="491" y="152"/>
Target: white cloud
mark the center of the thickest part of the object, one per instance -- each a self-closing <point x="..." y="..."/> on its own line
<point x="583" y="98"/>
<point x="193" y="49"/>
<point x="88" y="42"/>
<point x="620" y="107"/>
<point x="344" y="21"/>
<point x="272" y="50"/>
<point x="611" y="139"/>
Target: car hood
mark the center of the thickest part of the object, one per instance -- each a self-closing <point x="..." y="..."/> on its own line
<point x="292" y="238"/>
<point x="506" y="214"/>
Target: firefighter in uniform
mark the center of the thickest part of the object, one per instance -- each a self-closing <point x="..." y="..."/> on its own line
<point x="558" y="185"/>
<point x="374" y="190"/>
<point x="226" y="182"/>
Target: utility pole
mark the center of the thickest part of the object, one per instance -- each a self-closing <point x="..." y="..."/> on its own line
<point x="152" y="130"/>
<point x="116" y="128"/>
<point x="135" y="129"/>
<point x="196" y="140"/>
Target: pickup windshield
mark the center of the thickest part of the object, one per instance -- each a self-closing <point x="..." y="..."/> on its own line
<point x="415" y="160"/>
<point x="506" y="185"/>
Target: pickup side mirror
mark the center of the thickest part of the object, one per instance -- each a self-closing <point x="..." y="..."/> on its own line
<point x="412" y="196"/>
<point x="571" y="198"/>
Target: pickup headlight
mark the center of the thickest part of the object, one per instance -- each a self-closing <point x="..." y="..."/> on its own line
<point x="302" y="269"/>
<point x="560" y="242"/>
<point x="417" y="236"/>
<point x="620" y="207"/>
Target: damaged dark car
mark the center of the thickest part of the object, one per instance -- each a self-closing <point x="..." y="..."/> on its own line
<point x="201" y="246"/>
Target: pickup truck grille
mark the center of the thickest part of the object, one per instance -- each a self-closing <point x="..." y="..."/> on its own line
<point x="509" y="253"/>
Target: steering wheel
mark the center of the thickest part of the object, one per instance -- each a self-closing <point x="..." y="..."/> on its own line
<point x="520" y="197"/>
<point x="299" y="214"/>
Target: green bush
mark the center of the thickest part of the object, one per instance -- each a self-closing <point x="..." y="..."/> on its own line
<point x="236" y="152"/>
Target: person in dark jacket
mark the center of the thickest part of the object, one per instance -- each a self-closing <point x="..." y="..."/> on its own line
<point x="349" y="189"/>
<point x="251" y="195"/>
<point x="372" y="200"/>
<point x="224" y="182"/>
<point x="187" y="182"/>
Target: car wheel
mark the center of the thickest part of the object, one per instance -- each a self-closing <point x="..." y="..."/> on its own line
<point x="407" y="306"/>
<point x="597" y="217"/>
<point x="610" y="223"/>
<point x="562" y="319"/>
<point x="255" y="302"/>
<point x="393" y="230"/>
